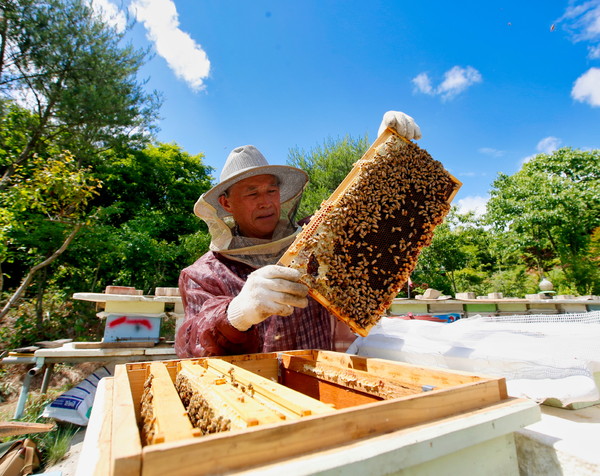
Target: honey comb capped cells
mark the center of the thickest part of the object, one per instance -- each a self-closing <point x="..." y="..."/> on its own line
<point x="359" y="249"/>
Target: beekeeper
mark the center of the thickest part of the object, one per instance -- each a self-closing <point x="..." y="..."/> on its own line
<point x="236" y="299"/>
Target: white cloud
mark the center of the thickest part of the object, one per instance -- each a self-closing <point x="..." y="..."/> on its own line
<point x="582" y="21"/>
<point x="456" y="80"/>
<point x="548" y="145"/>
<point x="587" y="87"/>
<point x="491" y="152"/>
<point x="475" y="203"/>
<point x="594" y="52"/>
<point x="184" y="56"/>
<point x="110" y="14"/>
<point x="423" y="83"/>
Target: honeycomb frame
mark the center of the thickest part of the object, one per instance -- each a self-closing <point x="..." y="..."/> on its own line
<point x="361" y="246"/>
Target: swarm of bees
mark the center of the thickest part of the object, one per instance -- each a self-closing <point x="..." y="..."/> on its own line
<point x="200" y="411"/>
<point x="359" y="249"/>
<point x="147" y="414"/>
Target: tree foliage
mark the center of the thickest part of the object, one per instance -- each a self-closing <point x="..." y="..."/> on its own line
<point x="45" y="192"/>
<point x="85" y="199"/>
<point x="550" y="209"/>
<point x="144" y="217"/>
<point x="62" y="63"/>
<point x="326" y="165"/>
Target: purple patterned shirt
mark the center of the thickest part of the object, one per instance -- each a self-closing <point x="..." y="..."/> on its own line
<point x="208" y="286"/>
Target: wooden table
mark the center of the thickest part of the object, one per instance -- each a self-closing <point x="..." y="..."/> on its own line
<point x="44" y="360"/>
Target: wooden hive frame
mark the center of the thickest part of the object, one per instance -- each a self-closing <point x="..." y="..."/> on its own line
<point x="349" y="398"/>
<point x="360" y="247"/>
<point x="163" y="416"/>
<point x="238" y="398"/>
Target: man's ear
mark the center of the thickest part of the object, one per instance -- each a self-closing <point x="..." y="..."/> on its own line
<point x="224" y="201"/>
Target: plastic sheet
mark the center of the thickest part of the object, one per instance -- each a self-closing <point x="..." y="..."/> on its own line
<point x="541" y="356"/>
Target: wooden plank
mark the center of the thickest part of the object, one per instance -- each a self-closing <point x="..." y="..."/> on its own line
<point x="326" y="392"/>
<point x="267" y="368"/>
<point x="15" y="428"/>
<point x="227" y="400"/>
<point x="407" y="373"/>
<point x="357" y="380"/>
<point x="294" y="401"/>
<point x="134" y="306"/>
<point x="262" y="445"/>
<point x="400" y="308"/>
<point x="112" y="345"/>
<point x="480" y="307"/>
<point x="451" y="446"/>
<point x="95" y="456"/>
<point x="136" y="373"/>
<point x="166" y="419"/>
<point x="126" y="446"/>
<point x="68" y="352"/>
<point x="445" y="307"/>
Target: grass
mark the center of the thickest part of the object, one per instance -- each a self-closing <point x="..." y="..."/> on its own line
<point x="53" y="445"/>
<point x="56" y="443"/>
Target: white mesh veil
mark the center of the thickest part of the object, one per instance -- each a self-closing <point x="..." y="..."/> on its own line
<point x="253" y="251"/>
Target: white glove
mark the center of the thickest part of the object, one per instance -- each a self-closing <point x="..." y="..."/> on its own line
<point x="268" y="291"/>
<point x="402" y="123"/>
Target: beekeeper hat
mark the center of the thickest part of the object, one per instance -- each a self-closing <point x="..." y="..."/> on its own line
<point x="247" y="161"/>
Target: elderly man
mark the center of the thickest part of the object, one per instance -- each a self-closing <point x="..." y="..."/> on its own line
<point x="236" y="299"/>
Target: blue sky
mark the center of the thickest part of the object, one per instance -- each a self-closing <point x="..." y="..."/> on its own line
<point x="489" y="83"/>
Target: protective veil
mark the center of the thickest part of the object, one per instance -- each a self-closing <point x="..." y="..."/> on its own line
<point x="255" y="252"/>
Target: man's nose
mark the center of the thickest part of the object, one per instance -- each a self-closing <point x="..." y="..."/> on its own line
<point x="264" y="200"/>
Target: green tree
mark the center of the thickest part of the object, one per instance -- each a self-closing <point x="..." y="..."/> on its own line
<point x="550" y="209"/>
<point x="69" y="69"/>
<point x="146" y="226"/>
<point x="459" y="243"/>
<point x="50" y="196"/>
<point x="143" y="233"/>
<point x="326" y="166"/>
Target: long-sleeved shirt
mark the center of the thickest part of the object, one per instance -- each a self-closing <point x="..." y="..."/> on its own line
<point x="208" y="286"/>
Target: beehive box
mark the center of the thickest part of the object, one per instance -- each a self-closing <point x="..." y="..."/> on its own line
<point x="364" y="397"/>
<point x="360" y="247"/>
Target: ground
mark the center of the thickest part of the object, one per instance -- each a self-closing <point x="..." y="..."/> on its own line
<point x="64" y="377"/>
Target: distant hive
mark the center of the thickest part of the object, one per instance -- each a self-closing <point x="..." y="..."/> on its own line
<point x="360" y="248"/>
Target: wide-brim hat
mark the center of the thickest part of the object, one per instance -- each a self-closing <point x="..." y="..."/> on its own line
<point x="247" y="161"/>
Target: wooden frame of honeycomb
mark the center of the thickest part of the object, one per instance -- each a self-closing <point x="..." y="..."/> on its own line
<point x="359" y="249"/>
<point x="212" y="396"/>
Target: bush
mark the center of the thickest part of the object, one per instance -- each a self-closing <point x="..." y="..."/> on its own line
<point x="61" y="318"/>
<point x="513" y="282"/>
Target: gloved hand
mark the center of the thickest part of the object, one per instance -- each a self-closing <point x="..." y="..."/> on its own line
<point x="269" y="290"/>
<point x="402" y="123"/>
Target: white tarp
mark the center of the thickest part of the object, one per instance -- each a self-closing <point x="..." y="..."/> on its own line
<point x="540" y="356"/>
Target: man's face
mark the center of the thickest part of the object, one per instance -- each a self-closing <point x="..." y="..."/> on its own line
<point x="255" y="205"/>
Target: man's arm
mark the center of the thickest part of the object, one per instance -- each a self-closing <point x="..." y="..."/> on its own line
<point x="207" y="288"/>
<point x="270" y="290"/>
